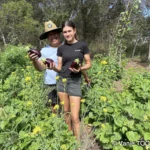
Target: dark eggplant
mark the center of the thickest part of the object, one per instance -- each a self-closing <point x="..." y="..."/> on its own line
<point x="36" y="52"/>
<point x="75" y="64"/>
<point x="47" y="61"/>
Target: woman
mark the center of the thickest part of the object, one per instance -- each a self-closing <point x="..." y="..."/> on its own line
<point x="68" y="85"/>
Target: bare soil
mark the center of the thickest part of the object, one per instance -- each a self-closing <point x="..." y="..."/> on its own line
<point x="137" y="65"/>
<point x="88" y="140"/>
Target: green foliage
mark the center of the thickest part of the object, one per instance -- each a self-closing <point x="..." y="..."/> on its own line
<point x="119" y="118"/>
<point x="123" y="27"/>
<point x="107" y="26"/>
<point x="12" y="59"/>
<point x="17" y="23"/>
<point x="56" y="11"/>
<point x="140" y="87"/>
<point x="25" y="122"/>
<point x="141" y="49"/>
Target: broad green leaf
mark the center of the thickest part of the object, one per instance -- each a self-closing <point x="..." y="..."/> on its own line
<point x="115" y="137"/>
<point x="118" y="121"/>
<point x="136" y="147"/>
<point x="18" y="120"/>
<point x="107" y="146"/>
<point x="22" y="134"/>
<point x="2" y="113"/>
<point x="130" y="124"/>
<point x="104" y="139"/>
<point x="133" y="136"/>
<point x="3" y="124"/>
<point x="146" y="125"/>
<point x="96" y="123"/>
<point x="34" y="146"/>
<point x="147" y="136"/>
<point x="110" y="109"/>
<point x="91" y="115"/>
<point x="124" y="129"/>
<point x="140" y="128"/>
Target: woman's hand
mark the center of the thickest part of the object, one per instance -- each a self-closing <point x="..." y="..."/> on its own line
<point x="76" y="70"/>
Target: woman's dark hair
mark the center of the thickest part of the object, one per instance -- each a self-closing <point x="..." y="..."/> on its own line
<point x="69" y="24"/>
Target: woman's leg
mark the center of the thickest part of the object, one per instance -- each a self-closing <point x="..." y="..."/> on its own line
<point x="67" y="114"/>
<point x="75" y="109"/>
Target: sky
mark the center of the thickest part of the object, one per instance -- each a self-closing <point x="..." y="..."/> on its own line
<point x="145" y="5"/>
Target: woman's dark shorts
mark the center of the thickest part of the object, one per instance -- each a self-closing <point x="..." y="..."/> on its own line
<point x="72" y="86"/>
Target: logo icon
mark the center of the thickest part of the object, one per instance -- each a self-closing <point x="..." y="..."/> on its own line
<point x="77" y="50"/>
<point x="49" y="25"/>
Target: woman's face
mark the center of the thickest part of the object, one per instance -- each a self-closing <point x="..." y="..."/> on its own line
<point x="69" y="34"/>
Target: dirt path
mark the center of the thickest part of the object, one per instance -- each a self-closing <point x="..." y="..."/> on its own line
<point x="137" y="65"/>
<point x="88" y="141"/>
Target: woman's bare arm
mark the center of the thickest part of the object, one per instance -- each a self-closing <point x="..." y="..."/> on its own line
<point x="87" y="62"/>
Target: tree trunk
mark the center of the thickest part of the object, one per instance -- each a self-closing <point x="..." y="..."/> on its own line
<point x="3" y="38"/>
<point x="149" y="52"/>
<point x="133" y="53"/>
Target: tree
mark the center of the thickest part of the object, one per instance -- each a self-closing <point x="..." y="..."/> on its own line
<point x="17" y="24"/>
